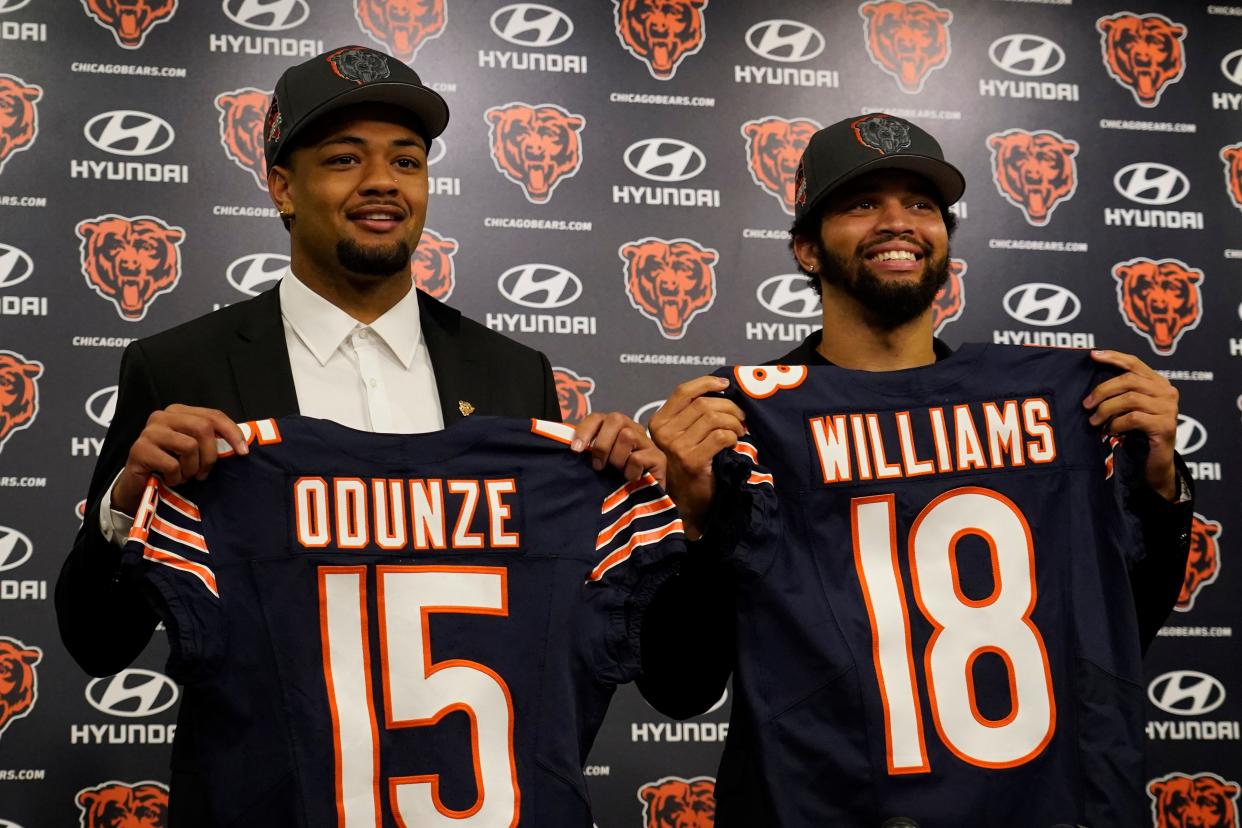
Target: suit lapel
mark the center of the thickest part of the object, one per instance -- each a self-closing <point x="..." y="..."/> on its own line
<point x="459" y="371"/>
<point x="259" y="358"/>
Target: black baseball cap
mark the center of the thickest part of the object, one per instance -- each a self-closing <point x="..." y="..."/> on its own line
<point x="847" y="149"/>
<point x="342" y="77"/>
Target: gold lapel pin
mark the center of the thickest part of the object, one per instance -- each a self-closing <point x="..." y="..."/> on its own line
<point x="465" y="408"/>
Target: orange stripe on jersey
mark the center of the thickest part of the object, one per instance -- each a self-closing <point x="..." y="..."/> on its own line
<point x="639" y="538"/>
<point x="759" y="477"/>
<point x="179" y="503"/>
<point x="748" y="450"/>
<point x="618" y="497"/>
<point x="185" y="536"/>
<point x="559" y="432"/>
<point x="163" y="556"/>
<point x="652" y="508"/>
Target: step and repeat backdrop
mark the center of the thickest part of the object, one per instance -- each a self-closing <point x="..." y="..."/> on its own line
<point x="1102" y="146"/>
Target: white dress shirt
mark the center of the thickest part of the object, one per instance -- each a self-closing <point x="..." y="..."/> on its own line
<point x="375" y="377"/>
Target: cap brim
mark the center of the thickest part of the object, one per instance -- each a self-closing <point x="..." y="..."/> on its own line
<point x="427" y="106"/>
<point x="945" y="177"/>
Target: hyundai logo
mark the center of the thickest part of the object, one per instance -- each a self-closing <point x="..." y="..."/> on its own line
<point x="1231" y="66"/>
<point x="785" y="41"/>
<point x="541" y="286"/>
<point x="1186" y="693"/>
<point x="1042" y="304"/>
<point x="643" y="415"/>
<point x="257" y="272"/>
<point x="132" y="693"/>
<point x="15" y="549"/>
<point x="267" y="15"/>
<point x="15" y="265"/>
<point x="1191" y="435"/>
<point x="129" y="132"/>
<point x="437" y="151"/>
<point x="1028" y="55"/>
<point x="664" y="159"/>
<point x="1150" y="183"/>
<point x="101" y="405"/>
<point x="80" y="510"/>
<point x="532" y="24"/>
<point x="724" y="697"/>
<point x="7" y="6"/>
<point x="789" y="294"/>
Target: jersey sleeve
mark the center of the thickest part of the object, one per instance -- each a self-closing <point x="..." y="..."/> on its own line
<point x="639" y="544"/>
<point x="745" y="521"/>
<point x="167" y="553"/>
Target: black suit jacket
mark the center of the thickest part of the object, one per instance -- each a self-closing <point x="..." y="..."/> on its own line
<point x="236" y="360"/>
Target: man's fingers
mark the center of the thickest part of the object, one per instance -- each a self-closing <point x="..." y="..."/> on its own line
<point x="1124" y="403"/>
<point x="1126" y="362"/>
<point x="710" y="422"/>
<point x="696" y="453"/>
<point x="685" y="394"/>
<point x="585" y="431"/>
<point x="1155" y="386"/>
<point x="704" y="407"/>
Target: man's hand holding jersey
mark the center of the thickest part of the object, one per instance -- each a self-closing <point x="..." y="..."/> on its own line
<point x="615" y="440"/>
<point x="1139" y="400"/>
<point x="691" y="428"/>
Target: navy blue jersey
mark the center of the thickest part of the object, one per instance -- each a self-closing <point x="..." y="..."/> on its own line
<point x="382" y="630"/>
<point x="934" y="613"/>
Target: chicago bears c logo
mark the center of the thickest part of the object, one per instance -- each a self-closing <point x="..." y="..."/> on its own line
<point x="401" y="26"/>
<point x="1143" y="53"/>
<point x="1232" y="156"/>
<point x="573" y="393"/>
<point x="1034" y="171"/>
<point x="669" y="281"/>
<point x="673" y="802"/>
<point x="1159" y="300"/>
<point x="950" y="300"/>
<point x="19" y="121"/>
<point x="130" y="260"/>
<point x="906" y="39"/>
<point x="18" y="680"/>
<point x="243" y="119"/>
<point x="19" y="393"/>
<point x="773" y="149"/>
<point x="432" y="264"/>
<point x="660" y="33"/>
<point x="535" y="146"/>
<point x="1204" y="800"/>
<point x="1203" y="565"/>
<point x="121" y="805"/>
<point x="130" y="20"/>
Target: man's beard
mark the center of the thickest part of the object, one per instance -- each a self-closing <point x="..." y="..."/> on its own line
<point x="373" y="260"/>
<point x="888" y="304"/>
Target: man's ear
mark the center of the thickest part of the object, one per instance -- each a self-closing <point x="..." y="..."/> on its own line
<point x="279" y="187"/>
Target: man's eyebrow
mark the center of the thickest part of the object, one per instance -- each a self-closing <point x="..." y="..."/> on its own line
<point x="358" y="141"/>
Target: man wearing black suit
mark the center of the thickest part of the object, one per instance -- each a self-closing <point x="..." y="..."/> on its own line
<point x="344" y="337"/>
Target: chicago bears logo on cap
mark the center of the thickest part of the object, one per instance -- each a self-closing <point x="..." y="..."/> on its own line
<point x="669" y="281"/>
<point x="1034" y="171"/>
<point x="432" y="264"/>
<point x="1203" y="565"/>
<point x="1159" y="300"/>
<point x="882" y="133"/>
<point x="660" y="33"/>
<point x="1143" y="53"/>
<point x="536" y="146"/>
<point x="18" y="680"/>
<point x="129" y="20"/>
<point x="401" y="26"/>
<point x="573" y="393"/>
<point x="774" y="148"/>
<point x="19" y="117"/>
<point x="950" y="300"/>
<point x="908" y="40"/>
<point x="1204" y="800"/>
<point x="19" y="393"/>
<point x="673" y="802"/>
<point x="111" y="804"/>
<point x="1232" y="156"/>
<point x="130" y="260"/>
<point x="243" y="123"/>
<point x="354" y="63"/>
